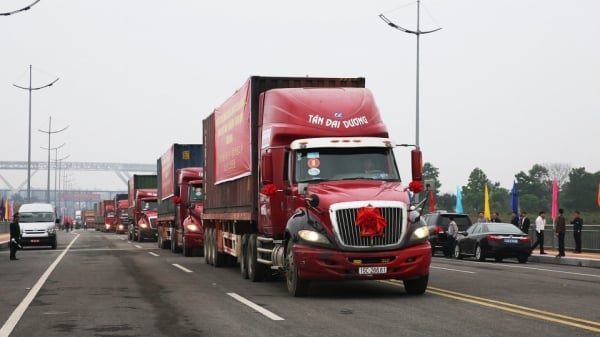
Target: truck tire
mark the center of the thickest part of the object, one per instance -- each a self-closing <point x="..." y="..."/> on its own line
<point x="187" y="252"/>
<point x="140" y="238"/>
<point x="416" y="286"/>
<point x="207" y="246"/>
<point x="255" y="270"/>
<point x="219" y="258"/>
<point x="296" y="286"/>
<point x="243" y="261"/>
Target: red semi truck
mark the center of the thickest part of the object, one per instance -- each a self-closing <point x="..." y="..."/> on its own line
<point x="179" y="180"/>
<point x="109" y="215"/>
<point x="121" y="217"/>
<point x="301" y="180"/>
<point x="142" y="207"/>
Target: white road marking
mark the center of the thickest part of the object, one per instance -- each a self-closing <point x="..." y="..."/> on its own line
<point x="153" y="254"/>
<point x="16" y="315"/>
<point x="456" y="270"/>
<point x="182" y="268"/>
<point x="256" y="307"/>
<point x="137" y="246"/>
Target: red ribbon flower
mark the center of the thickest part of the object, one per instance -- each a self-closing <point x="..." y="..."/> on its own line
<point x="176" y="199"/>
<point x="370" y="221"/>
<point x="269" y="190"/>
<point x="415" y="186"/>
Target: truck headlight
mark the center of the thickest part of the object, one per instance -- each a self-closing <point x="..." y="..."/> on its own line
<point x="143" y="225"/>
<point x="192" y="228"/>
<point x="51" y="230"/>
<point x="420" y="233"/>
<point x="312" y="236"/>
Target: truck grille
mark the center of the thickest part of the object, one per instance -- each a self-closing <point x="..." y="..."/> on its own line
<point x="348" y="234"/>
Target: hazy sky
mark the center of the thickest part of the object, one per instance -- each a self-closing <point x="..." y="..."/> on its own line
<point x="504" y="85"/>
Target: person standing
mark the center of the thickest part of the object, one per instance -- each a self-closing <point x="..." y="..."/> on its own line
<point x="560" y="230"/>
<point x="514" y="219"/>
<point x="577" y="228"/>
<point x="481" y="218"/>
<point x="496" y="217"/>
<point x="15" y="236"/>
<point x="525" y="223"/>
<point x="452" y="233"/>
<point x="540" y="223"/>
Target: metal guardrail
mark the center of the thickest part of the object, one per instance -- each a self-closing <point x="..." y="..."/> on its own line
<point x="590" y="237"/>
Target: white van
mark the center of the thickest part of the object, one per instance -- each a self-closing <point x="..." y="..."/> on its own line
<point x="38" y="224"/>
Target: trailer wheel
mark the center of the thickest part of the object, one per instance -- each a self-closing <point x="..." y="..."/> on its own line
<point x="416" y="286"/>
<point x="296" y="286"/>
<point x="243" y="255"/>
<point x="255" y="269"/>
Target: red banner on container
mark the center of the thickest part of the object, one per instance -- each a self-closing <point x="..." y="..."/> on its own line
<point x="232" y="137"/>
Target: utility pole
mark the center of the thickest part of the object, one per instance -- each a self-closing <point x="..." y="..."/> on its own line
<point x="417" y="33"/>
<point x="30" y="88"/>
<point x="50" y="132"/>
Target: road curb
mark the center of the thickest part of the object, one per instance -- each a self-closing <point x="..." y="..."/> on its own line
<point x="566" y="260"/>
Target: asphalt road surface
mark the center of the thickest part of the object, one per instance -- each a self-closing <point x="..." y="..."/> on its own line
<point x="99" y="284"/>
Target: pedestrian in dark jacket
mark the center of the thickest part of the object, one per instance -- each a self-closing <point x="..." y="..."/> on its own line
<point x="560" y="230"/>
<point x="577" y="228"/>
<point x="15" y="236"/>
<point x="524" y="223"/>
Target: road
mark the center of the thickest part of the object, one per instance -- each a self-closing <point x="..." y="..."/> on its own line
<point x="99" y="284"/>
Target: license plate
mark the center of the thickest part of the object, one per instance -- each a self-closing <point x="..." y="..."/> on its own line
<point x="35" y="241"/>
<point x="511" y="240"/>
<point x="372" y="270"/>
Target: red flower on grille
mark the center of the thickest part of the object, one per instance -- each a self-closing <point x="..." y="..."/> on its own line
<point x="176" y="199"/>
<point x="370" y="221"/>
<point x="269" y="190"/>
<point x="415" y="186"/>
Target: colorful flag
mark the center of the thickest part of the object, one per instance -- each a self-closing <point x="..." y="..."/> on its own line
<point x="599" y="195"/>
<point x="486" y="203"/>
<point x="458" y="208"/>
<point x="431" y="201"/>
<point x="514" y="198"/>
<point x="2" y="209"/>
<point x="554" y="198"/>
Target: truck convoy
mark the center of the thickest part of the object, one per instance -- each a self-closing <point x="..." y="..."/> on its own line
<point x="301" y="180"/>
<point x="121" y="218"/>
<point x="180" y="181"/>
<point x="89" y="219"/>
<point x="142" y="207"/>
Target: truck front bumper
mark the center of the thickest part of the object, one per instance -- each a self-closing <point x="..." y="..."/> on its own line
<point x="318" y="263"/>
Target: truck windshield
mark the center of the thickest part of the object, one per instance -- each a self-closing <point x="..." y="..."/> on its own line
<point x="149" y="205"/>
<point x="196" y="193"/>
<point x="344" y="164"/>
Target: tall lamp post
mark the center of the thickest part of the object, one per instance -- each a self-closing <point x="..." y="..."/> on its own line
<point x="50" y="132"/>
<point x="30" y="89"/>
<point x="57" y="174"/>
<point x="59" y="166"/>
<point x="417" y="33"/>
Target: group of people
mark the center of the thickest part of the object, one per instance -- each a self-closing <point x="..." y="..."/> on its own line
<point x="522" y="221"/>
<point x="559" y="230"/>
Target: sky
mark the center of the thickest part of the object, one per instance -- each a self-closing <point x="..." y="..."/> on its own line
<point x="502" y="86"/>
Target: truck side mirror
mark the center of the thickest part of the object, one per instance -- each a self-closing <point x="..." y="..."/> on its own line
<point x="266" y="168"/>
<point x="416" y="160"/>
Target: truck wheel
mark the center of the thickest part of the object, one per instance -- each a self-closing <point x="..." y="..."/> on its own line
<point x="206" y="246"/>
<point x="219" y="258"/>
<point x="416" y="286"/>
<point x="186" y="251"/>
<point x="296" y="286"/>
<point x="255" y="269"/>
<point x="243" y="261"/>
<point x="140" y="238"/>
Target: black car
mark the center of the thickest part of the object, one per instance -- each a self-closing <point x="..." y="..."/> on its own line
<point x="437" y="223"/>
<point x="493" y="240"/>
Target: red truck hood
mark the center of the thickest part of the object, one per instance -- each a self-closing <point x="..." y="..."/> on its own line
<point x="341" y="191"/>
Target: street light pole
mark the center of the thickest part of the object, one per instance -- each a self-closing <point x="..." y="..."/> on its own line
<point x="50" y="132"/>
<point x="57" y="174"/>
<point x="30" y="88"/>
<point x="417" y="33"/>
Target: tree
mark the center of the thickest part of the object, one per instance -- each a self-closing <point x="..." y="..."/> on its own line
<point x="472" y="193"/>
<point x="432" y="173"/>
<point x="535" y="189"/>
<point x="560" y="171"/>
<point x="581" y="190"/>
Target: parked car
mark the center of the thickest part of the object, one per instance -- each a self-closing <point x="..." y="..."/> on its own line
<point x="437" y="223"/>
<point x="493" y="240"/>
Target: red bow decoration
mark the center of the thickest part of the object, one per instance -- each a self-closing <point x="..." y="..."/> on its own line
<point x="269" y="190"/>
<point x="370" y="221"/>
<point x="176" y="199"/>
<point x="415" y="186"/>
